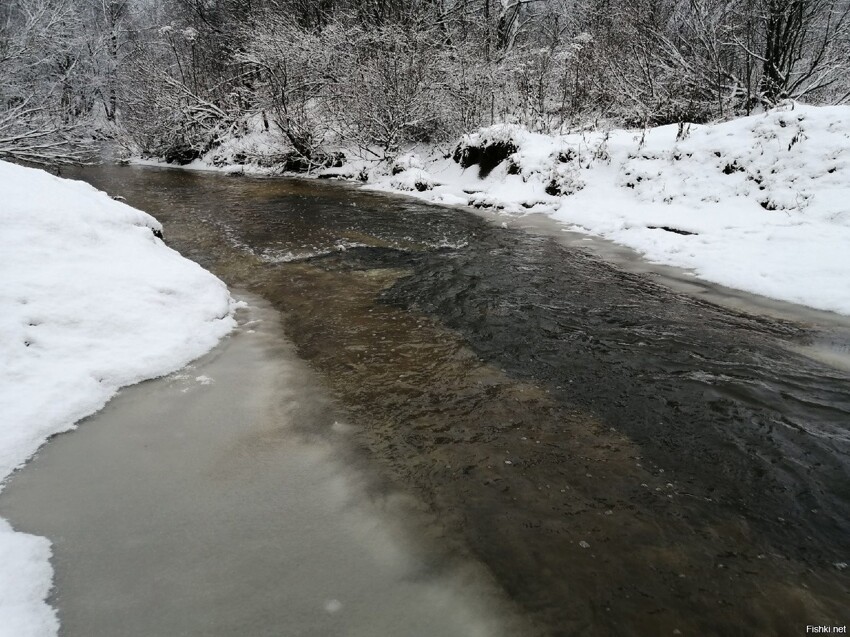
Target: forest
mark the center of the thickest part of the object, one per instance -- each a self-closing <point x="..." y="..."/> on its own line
<point x="172" y="78"/>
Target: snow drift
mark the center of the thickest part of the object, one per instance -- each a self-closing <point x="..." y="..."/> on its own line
<point x="761" y="203"/>
<point x="91" y="301"/>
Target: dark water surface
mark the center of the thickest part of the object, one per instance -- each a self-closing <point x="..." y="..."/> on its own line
<point x="625" y="459"/>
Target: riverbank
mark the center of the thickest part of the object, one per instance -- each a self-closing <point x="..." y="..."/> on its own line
<point x="92" y="301"/>
<point x="758" y="203"/>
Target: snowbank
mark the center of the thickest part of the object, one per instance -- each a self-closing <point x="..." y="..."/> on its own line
<point x="91" y="301"/>
<point x="760" y="203"/>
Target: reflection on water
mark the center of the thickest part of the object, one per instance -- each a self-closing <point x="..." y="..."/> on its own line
<point x="188" y="506"/>
<point x="625" y="459"/>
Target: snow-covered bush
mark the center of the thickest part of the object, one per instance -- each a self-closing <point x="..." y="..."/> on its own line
<point x="413" y="179"/>
<point x="488" y="147"/>
<point x="564" y="179"/>
<point x="405" y="162"/>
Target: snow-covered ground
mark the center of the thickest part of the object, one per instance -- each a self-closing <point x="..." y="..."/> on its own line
<point x="91" y="301"/>
<point x="760" y="203"/>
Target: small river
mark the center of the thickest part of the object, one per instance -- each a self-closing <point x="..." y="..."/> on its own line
<point x="611" y="455"/>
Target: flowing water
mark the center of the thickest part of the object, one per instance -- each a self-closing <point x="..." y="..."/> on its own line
<point x="621" y="457"/>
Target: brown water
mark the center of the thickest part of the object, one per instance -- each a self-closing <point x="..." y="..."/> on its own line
<point x="190" y="506"/>
<point x="621" y="457"/>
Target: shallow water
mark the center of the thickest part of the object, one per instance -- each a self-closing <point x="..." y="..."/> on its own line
<point x="623" y="457"/>
<point x="189" y="506"/>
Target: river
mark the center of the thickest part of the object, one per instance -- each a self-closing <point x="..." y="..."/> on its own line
<point x="599" y="449"/>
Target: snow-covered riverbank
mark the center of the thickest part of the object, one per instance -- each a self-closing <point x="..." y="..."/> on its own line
<point x="760" y="203"/>
<point x="91" y="301"/>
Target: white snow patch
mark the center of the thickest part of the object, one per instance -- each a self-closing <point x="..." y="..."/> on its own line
<point x="25" y="581"/>
<point x="91" y="301"/>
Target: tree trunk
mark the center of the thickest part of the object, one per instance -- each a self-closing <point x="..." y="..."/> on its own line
<point x="784" y="31"/>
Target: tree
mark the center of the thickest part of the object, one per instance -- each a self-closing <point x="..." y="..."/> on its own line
<point x="39" y="98"/>
<point x="805" y="46"/>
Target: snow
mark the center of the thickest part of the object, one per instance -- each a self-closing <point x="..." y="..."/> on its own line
<point x="760" y="203"/>
<point x="91" y="301"/>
